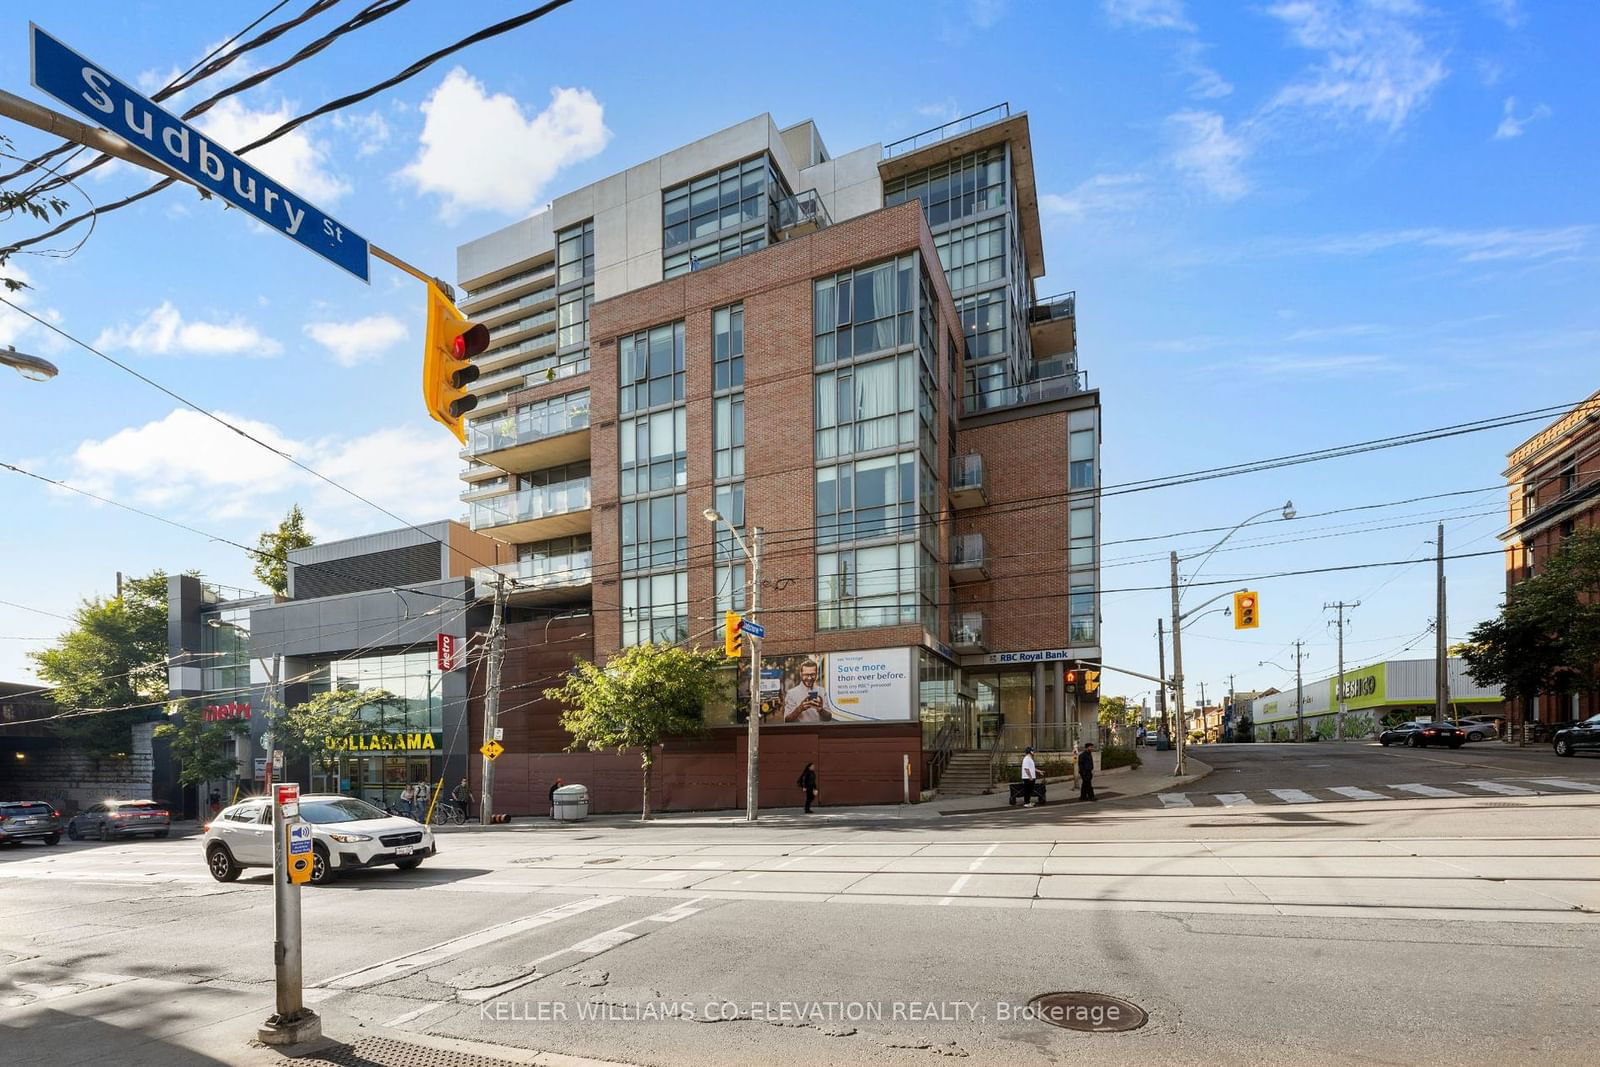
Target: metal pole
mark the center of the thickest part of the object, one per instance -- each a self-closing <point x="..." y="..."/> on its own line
<point x="1177" y="673"/>
<point x="491" y="698"/>
<point x="1441" y="683"/>
<point x="1161" y="690"/>
<point x="1299" y="698"/>
<point x="752" y="776"/>
<point x="293" y="1023"/>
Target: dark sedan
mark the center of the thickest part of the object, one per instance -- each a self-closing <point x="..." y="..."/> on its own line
<point x="28" y="820"/>
<point x="1423" y="734"/>
<point x="1585" y="734"/>
<point x="120" y="818"/>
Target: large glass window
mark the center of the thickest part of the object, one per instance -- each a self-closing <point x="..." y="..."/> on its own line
<point x="727" y="348"/>
<point x="412" y="676"/>
<point x="983" y="320"/>
<point x="1080" y="456"/>
<point x="736" y="198"/>
<point x="1080" y="537"/>
<point x="874" y="586"/>
<point x="862" y="312"/>
<point x="574" y="316"/>
<point x="655" y="532"/>
<point x="966" y="186"/>
<point x="729" y="557"/>
<point x="655" y="609"/>
<point x="575" y="253"/>
<point x="866" y="499"/>
<point x="714" y="251"/>
<point x="653" y="451"/>
<point x="973" y="254"/>
<point x="651" y="367"/>
<point x="866" y="407"/>
<point x="1080" y="609"/>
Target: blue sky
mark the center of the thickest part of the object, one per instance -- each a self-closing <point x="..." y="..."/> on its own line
<point x="1290" y="225"/>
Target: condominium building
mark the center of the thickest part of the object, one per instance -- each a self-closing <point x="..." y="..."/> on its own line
<point x="846" y="351"/>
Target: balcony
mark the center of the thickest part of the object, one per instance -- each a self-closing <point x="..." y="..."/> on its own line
<point x="966" y="482"/>
<point x="1053" y="324"/>
<point x="535" y="514"/>
<point x="513" y="327"/>
<point x="967" y="559"/>
<point x="543" y="580"/>
<point x="800" y="214"/>
<point x="966" y="124"/>
<point x="1051" y="379"/>
<point x="969" y="632"/>
<point x="539" y="436"/>
<point x="471" y="303"/>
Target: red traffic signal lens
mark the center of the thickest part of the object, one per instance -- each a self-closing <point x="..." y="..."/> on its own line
<point x="471" y="342"/>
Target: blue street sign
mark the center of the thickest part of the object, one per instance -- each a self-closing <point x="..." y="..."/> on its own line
<point x="112" y="104"/>
<point x="754" y="629"/>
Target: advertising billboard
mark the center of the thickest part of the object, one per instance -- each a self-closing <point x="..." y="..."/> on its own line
<point x="831" y="687"/>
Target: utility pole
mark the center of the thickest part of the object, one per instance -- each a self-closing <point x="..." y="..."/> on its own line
<point x="1177" y="670"/>
<point x="1161" y="690"/>
<point x="752" y="762"/>
<point x="1299" y="698"/>
<point x="1442" y="663"/>
<point x="119" y="585"/>
<point x="1232" y="712"/>
<point x="1338" y="722"/>
<point x="491" y="698"/>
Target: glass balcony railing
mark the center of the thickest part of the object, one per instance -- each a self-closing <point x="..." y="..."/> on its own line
<point x="515" y="325"/>
<point x="1060" y="306"/>
<point x="966" y="474"/>
<point x="969" y="630"/>
<point x="548" y="419"/>
<point x="801" y="209"/>
<point x="538" y="296"/>
<point x="520" y="278"/>
<point x="532" y="344"/>
<point x="967" y="556"/>
<point x="950" y="129"/>
<point x="526" y="505"/>
<point x="544" y="572"/>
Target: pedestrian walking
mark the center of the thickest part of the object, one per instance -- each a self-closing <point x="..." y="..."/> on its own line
<point x="1030" y="771"/>
<point x="462" y="795"/>
<point x="1086" y="772"/>
<point x="808" y="782"/>
<point x="216" y="803"/>
<point x="553" y="787"/>
<point x="408" y="801"/>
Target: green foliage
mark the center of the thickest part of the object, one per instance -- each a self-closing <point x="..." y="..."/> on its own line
<point x="1118" y="756"/>
<point x="37" y="204"/>
<point x="274" y="546"/>
<point x="204" y="750"/>
<point x="1051" y="770"/>
<point x="1116" y="711"/>
<point x="310" y="729"/>
<point x="1547" y="635"/>
<point x="642" y="696"/>
<point x="114" y="656"/>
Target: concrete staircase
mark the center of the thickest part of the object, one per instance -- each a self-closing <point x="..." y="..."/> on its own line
<point x="966" y="776"/>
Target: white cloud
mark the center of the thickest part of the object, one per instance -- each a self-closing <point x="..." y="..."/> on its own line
<point x="1375" y="65"/>
<point x="1318" y="366"/>
<point x="1511" y="125"/>
<point x="1473" y="246"/>
<point x="985" y="13"/>
<point x="1205" y="151"/>
<point x="1507" y="11"/>
<point x="1148" y="14"/>
<point x="1204" y="82"/>
<point x="185" y="463"/>
<point x="164" y="331"/>
<point x="371" y="131"/>
<point x="1098" y="196"/>
<point x="358" y="341"/>
<point x="1324" y="333"/>
<point x="480" y="152"/>
<point x="295" y="159"/>
<point x="16" y="329"/>
<point x="1490" y="72"/>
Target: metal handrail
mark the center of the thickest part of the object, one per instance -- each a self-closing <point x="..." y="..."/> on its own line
<point x="944" y="746"/>
<point x="1060" y="306"/>
<point x="938" y="133"/>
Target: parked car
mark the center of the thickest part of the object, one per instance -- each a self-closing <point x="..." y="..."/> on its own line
<point x="120" y="818"/>
<point x="1422" y="734"/>
<point x="1479" y="730"/>
<point x="1585" y="734"/>
<point x="346" y="833"/>
<point x="28" y="820"/>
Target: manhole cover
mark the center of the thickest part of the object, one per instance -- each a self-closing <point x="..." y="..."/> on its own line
<point x="1092" y="1013"/>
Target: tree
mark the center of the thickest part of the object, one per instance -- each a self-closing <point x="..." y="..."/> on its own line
<point x="642" y="696"/>
<point x="28" y="201"/>
<point x="316" y="727"/>
<point x="273" y="548"/>
<point x="114" y="656"/>
<point x="1116" y="711"/>
<point x="1547" y="635"/>
<point x="204" y="750"/>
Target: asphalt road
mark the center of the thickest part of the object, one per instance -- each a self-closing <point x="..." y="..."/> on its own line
<point x="1412" y="929"/>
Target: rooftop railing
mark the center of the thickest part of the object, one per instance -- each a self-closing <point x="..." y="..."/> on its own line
<point x="953" y="128"/>
<point x="1060" y="306"/>
<point x="801" y="209"/>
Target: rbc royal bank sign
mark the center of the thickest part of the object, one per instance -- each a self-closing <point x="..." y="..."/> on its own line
<point x="104" y="100"/>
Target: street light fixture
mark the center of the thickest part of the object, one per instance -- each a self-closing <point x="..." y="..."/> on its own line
<point x="30" y="367"/>
<point x="1287" y="512"/>
<point x="752" y="552"/>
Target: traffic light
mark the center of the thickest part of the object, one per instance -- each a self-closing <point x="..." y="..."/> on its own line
<point x="732" y="635"/>
<point x="1246" y="611"/>
<point x="1071" y="678"/>
<point x="451" y="344"/>
<point x="1091" y="681"/>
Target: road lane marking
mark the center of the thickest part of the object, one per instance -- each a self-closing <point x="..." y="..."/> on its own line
<point x="426" y="957"/>
<point x="400" y="1020"/>
<point x="664" y="876"/>
<point x="956" y="888"/>
<point x="1233" y="800"/>
<point x="975" y="864"/>
<point x="1567" y="783"/>
<point x="1294" y="796"/>
<point x="1503" y="789"/>
<point x="1356" y="793"/>
<point x="1427" y="790"/>
<point x="1175" y="800"/>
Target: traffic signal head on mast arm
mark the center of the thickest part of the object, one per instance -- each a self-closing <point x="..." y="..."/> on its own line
<point x="1246" y="610"/>
<point x="732" y="634"/>
<point x="451" y="344"/>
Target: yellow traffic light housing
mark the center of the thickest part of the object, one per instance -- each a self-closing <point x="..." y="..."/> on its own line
<point x="732" y="635"/>
<point x="1246" y="611"/>
<point x="451" y="344"/>
<point x="1091" y="681"/>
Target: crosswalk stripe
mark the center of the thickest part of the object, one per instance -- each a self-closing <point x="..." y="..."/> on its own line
<point x="1567" y="783"/>
<point x="1176" y="800"/>
<point x="1294" y="796"/>
<point x="1356" y="793"/>
<point x="1503" y="789"/>
<point x="1427" y="790"/>
<point x="1233" y="800"/>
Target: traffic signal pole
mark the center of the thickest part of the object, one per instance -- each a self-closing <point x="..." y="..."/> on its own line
<point x="752" y="772"/>
<point x="491" y="699"/>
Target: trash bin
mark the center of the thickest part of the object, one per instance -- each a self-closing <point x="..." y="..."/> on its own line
<point x="571" y="804"/>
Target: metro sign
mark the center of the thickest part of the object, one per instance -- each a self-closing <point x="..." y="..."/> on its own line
<point x="224" y="712"/>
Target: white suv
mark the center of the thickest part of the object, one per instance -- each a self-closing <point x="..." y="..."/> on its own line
<point x="345" y="833"/>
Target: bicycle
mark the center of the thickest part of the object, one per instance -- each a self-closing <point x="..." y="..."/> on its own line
<point x="447" y="813"/>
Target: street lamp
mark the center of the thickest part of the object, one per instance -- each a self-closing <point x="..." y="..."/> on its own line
<point x="752" y="552"/>
<point x="30" y="367"/>
<point x="1287" y="511"/>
